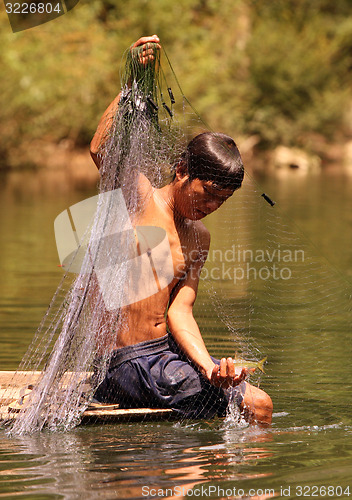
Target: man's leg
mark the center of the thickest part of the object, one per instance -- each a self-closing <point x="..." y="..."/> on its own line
<point x="257" y="405"/>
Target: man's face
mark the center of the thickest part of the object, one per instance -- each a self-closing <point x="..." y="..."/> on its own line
<point x="203" y="197"/>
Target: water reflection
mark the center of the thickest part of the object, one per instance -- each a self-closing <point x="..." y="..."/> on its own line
<point x="171" y="460"/>
<point x="29" y="203"/>
<point x="130" y="461"/>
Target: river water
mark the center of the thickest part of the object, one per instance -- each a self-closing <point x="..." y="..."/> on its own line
<point x="300" y="321"/>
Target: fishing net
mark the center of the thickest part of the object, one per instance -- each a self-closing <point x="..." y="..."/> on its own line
<point x="96" y="240"/>
<point x="262" y="284"/>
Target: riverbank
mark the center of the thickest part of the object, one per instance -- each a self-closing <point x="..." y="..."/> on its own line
<point x="73" y="165"/>
<point x="63" y="162"/>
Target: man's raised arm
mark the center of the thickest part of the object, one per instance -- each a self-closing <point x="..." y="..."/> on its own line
<point x="106" y="120"/>
<point x="103" y="129"/>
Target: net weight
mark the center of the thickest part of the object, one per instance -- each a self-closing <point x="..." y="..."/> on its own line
<point x="33" y="8"/>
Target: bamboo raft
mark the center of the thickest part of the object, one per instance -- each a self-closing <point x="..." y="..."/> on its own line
<point x="13" y="390"/>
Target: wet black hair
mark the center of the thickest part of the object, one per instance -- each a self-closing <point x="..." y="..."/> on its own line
<point x="214" y="157"/>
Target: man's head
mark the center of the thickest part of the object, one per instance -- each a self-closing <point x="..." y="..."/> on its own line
<point x="209" y="172"/>
<point x="214" y="157"/>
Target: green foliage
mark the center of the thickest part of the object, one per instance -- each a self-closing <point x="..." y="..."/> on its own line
<point x="279" y="69"/>
<point x="52" y="78"/>
<point x="299" y="69"/>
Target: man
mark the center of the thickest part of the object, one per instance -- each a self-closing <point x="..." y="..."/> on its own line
<point x="153" y="368"/>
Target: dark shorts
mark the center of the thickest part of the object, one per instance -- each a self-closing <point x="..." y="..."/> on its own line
<point x="155" y="374"/>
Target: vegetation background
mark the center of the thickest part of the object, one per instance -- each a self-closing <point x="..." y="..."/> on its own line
<point x="278" y="72"/>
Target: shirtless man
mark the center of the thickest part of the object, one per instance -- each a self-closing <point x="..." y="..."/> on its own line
<point x="149" y="367"/>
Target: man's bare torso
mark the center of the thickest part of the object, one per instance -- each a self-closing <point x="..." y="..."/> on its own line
<point x="146" y="319"/>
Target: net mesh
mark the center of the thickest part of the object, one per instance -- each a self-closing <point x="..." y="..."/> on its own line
<point x="263" y="283"/>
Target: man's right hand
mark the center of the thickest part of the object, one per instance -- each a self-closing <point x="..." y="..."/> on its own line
<point x="224" y="375"/>
<point x="147" y="53"/>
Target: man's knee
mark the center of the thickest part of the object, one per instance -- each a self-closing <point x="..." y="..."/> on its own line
<point x="257" y="405"/>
